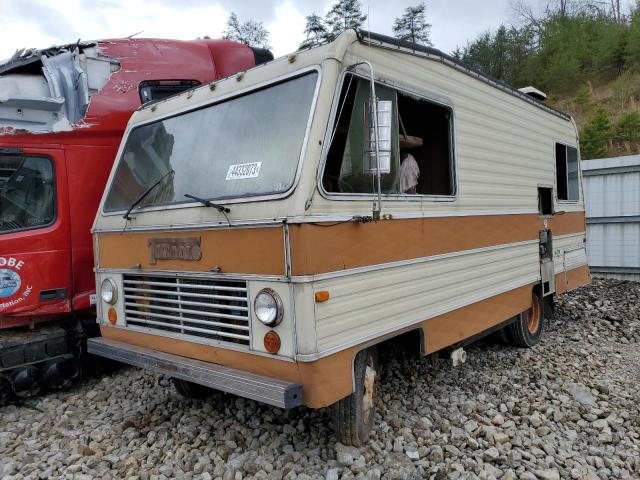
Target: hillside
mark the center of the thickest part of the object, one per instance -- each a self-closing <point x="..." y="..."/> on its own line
<point x="585" y="56"/>
<point x="607" y="114"/>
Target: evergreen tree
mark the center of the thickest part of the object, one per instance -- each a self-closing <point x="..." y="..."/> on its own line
<point x="343" y="15"/>
<point x="632" y="53"/>
<point x="315" y="31"/>
<point x="582" y="98"/>
<point x="412" y="26"/>
<point x="250" y="33"/>
<point x="596" y="135"/>
<point x="627" y="128"/>
<point x="502" y="54"/>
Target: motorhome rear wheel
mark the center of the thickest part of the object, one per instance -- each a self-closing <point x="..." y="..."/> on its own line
<point x="526" y="331"/>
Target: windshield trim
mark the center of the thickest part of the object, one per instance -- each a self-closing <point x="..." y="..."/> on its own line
<point x="54" y="219"/>
<point x="221" y="99"/>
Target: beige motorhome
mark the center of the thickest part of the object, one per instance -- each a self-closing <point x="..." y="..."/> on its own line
<point x="266" y="234"/>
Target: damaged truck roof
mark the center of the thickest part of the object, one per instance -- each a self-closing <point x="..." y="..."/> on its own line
<point x="49" y="90"/>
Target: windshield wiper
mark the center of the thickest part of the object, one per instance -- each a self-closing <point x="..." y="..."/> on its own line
<point x="145" y="193"/>
<point x="207" y="203"/>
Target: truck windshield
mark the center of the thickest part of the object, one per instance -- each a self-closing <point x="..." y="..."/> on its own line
<point x="242" y="147"/>
<point x="27" y="192"/>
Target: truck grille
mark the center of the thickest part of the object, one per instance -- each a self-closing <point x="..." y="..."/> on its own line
<point x="200" y="307"/>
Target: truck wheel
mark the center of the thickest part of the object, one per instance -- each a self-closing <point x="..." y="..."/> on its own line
<point x="353" y="415"/>
<point x="189" y="389"/>
<point x="526" y="331"/>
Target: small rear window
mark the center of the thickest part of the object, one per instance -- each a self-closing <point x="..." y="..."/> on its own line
<point x="567" y="179"/>
<point x="161" y="89"/>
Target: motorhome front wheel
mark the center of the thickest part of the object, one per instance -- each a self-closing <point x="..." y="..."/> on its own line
<point x="354" y="415"/>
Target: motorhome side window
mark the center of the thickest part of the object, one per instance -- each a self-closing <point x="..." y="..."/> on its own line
<point x="567" y="181"/>
<point x="27" y="193"/>
<point x="421" y="149"/>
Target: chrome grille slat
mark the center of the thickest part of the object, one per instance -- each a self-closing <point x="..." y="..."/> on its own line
<point x="185" y="311"/>
<point x="186" y="285"/>
<point x="216" y="309"/>
<point x="187" y="302"/>
<point x="185" y="294"/>
<point x="188" y="328"/>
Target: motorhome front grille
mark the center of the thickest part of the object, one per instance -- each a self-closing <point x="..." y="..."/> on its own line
<point x="200" y="307"/>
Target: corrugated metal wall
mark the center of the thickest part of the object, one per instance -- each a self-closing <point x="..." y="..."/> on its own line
<point x="612" y="198"/>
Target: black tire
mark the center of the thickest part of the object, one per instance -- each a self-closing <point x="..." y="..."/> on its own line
<point x="190" y="390"/>
<point x="353" y="416"/>
<point x="527" y="330"/>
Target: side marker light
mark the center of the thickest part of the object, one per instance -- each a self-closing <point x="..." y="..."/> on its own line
<point x="272" y="342"/>
<point x="112" y="316"/>
<point x="322" y="296"/>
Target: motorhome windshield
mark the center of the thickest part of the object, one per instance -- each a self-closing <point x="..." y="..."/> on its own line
<point x="27" y="192"/>
<point x="242" y="147"/>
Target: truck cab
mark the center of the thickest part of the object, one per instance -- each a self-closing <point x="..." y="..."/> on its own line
<point x="62" y="115"/>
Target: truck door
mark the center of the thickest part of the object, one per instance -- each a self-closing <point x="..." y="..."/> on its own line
<point x="35" y="268"/>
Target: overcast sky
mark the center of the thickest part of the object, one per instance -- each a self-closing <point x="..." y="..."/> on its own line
<point x="42" y="23"/>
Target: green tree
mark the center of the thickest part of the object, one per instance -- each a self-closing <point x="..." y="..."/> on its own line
<point x="596" y="135"/>
<point x="627" y="128"/>
<point x="625" y="88"/>
<point x="343" y="15"/>
<point x="250" y="32"/>
<point x="573" y="42"/>
<point x="632" y="54"/>
<point x="412" y="26"/>
<point x="315" y="31"/>
<point x="502" y="54"/>
<point x="582" y="97"/>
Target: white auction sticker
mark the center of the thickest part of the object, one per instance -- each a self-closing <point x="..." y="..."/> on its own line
<point x="244" y="170"/>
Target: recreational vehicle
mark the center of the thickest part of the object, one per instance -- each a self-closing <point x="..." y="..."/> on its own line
<point x="266" y="234"/>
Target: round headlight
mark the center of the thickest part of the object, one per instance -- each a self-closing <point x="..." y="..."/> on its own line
<point x="268" y="307"/>
<point x="109" y="291"/>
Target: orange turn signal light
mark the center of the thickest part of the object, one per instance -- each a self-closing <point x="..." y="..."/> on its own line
<point x="112" y="316"/>
<point x="272" y="342"/>
<point x="322" y="296"/>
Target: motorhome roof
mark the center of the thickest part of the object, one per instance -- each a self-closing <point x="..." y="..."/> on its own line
<point x="379" y="40"/>
<point x="336" y="49"/>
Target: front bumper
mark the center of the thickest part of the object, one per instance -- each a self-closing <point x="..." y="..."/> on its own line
<point x="256" y="387"/>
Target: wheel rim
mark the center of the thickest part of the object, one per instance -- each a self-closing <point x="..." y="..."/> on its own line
<point x="369" y="389"/>
<point x="533" y="315"/>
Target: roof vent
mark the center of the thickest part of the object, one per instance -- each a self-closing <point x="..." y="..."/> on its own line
<point x="534" y="92"/>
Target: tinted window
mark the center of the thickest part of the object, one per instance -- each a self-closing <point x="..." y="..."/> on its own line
<point x="27" y="192"/>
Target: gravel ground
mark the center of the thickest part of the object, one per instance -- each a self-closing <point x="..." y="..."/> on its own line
<point x="568" y="408"/>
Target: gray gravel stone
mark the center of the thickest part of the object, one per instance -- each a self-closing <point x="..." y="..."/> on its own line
<point x="567" y="409"/>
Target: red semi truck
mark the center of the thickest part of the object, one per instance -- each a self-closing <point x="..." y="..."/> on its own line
<point x="63" y="111"/>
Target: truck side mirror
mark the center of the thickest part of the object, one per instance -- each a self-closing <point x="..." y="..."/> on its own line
<point x="384" y="112"/>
